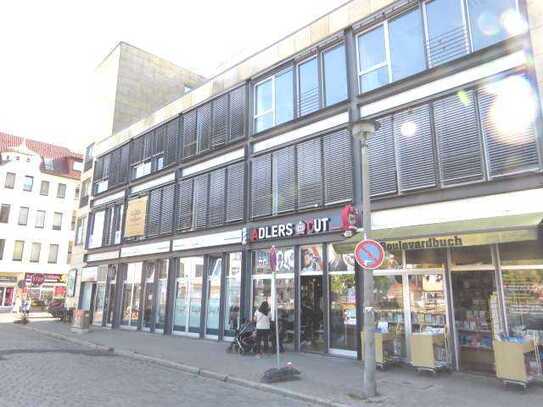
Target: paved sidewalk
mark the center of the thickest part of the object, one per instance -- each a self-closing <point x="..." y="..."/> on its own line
<point x="325" y="377"/>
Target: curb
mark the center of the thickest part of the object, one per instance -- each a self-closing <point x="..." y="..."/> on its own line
<point x="208" y="374"/>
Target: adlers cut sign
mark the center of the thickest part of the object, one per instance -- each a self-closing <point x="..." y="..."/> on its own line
<point x="286" y="230"/>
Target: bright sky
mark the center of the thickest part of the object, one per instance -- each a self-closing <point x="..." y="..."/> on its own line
<point x="49" y="49"/>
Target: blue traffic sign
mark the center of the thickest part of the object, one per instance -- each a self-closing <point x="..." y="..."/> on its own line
<point x="369" y="254"/>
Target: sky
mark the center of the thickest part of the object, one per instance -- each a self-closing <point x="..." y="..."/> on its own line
<point x="49" y="49"/>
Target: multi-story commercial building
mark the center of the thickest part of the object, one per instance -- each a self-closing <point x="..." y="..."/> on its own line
<point x="39" y="191"/>
<point x="187" y="203"/>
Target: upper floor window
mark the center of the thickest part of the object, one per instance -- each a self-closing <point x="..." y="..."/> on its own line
<point x="105" y="227"/>
<point x="35" y="252"/>
<point x="395" y="49"/>
<point x="80" y="230"/>
<point x="40" y="219"/>
<point x="44" y="188"/>
<point x="57" y="221"/>
<point x="111" y="169"/>
<point x="89" y="156"/>
<point x="23" y="216"/>
<point x="18" y="249"/>
<point x="53" y="253"/>
<point x="77" y="166"/>
<point x="320" y="81"/>
<point x="28" y="183"/>
<point x="4" y="213"/>
<point x="10" y="180"/>
<point x="2" y="246"/>
<point x="61" y="191"/>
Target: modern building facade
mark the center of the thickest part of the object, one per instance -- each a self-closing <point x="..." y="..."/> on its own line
<point x="188" y="204"/>
<point x="39" y="191"/>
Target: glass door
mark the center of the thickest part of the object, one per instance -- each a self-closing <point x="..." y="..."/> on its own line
<point x="312" y="299"/>
<point x="213" y="300"/>
<point x="162" y="292"/>
<point x="232" y="291"/>
<point x="131" y="311"/>
<point x="188" y="301"/>
<point x="148" y="294"/>
<point x="100" y="296"/>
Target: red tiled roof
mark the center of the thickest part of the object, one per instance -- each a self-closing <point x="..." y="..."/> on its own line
<point x="62" y="158"/>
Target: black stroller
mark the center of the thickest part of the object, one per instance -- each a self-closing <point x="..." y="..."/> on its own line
<point x="245" y="339"/>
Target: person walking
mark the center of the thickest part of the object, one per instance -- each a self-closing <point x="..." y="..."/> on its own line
<point x="262" y="319"/>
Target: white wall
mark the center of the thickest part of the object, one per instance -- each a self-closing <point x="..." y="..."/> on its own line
<point x="17" y="198"/>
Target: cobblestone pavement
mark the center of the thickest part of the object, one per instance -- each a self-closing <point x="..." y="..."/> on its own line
<point x="40" y="371"/>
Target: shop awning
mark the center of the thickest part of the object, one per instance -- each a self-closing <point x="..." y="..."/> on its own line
<point x="471" y="232"/>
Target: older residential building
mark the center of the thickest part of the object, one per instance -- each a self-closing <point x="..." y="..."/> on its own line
<point x="39" y="192"/>
<point x="194" y="206"/>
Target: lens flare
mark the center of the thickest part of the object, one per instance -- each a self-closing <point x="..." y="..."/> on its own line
<point x="513" y="22"/>
<point x="464" y="98"/>
<point x="488" y="23"/>
<point x="514" y="110"/>
<point x="408" y="129"/>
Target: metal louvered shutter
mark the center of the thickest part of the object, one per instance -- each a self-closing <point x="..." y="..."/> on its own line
<point x="261" y="183"/>
<point x="107" y="165"/>
<point x="338" y="172"/>
<point x="170" y="153"/>
<point x="148" y="145"/>
<point x="309" y="162"/>
<point x="237" y="113"/>
<point x="199" y="205"/>
<point x="184" y="205"/>
<point x="136" y="150"/>
<point x="458" y="140"/>
<point x="204" y="127"/>
<point x="216" y="205"/>
<point x="415" y="149"/>
<point x="99" y="169"/>
<point x="283" y="180"/>
<point x="123" y="170"/>
<point x="160" y="140"/>
<point x="106" y="234"/>
<point x="166" y="209"/>
<point x="382" y="162"/>
<point x="189" y="134"/>
<point x="508" y="151"/>
<point x="115" y="167"/>
<point x="152" y="228"/>
<point x="235" y="193"/>
<point x="220" y="121"/>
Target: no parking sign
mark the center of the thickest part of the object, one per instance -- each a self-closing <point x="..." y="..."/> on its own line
<point x="369" y="254"/>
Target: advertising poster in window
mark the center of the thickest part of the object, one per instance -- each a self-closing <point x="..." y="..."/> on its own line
<point x="135" y="217"/>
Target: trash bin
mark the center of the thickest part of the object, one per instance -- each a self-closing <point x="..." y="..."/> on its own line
<point x="81" y="321"/>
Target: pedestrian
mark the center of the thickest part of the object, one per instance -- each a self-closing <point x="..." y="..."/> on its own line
<point x="262" y="319"/>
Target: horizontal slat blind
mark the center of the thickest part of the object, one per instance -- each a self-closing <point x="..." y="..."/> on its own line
<point x="382" y="159"/>
<point x="166" y="217"/>
<point x="283" y="180"/>
<point x="148" y="146"/>
<point x="189" y="133"/>
<point x="414" y="146"/>
<point x="199" y="205"/>
<point x="115" y="166"/>
<point x="136" y="150"/>
<point x="235" y="193"/>
<point x="508" y="152"/>
<point x="309" y="174"/>
<point x="184" y="204"/>
<point x="220" y="121"/>
<point x="107" y="166"/>
<point x="106" y="234"/>
<point x="170" y="154"/>
<point x="99" y="168"/>
<point x="458" y="140"/>
<point x="153" y="217"/>
<point x="204" y="127"/>
<point x="237" y="113"/>
<point x="125" y="155"/>
<point x="160" y="139"/>
<point x="338" y="173"/>
<point x="261" y="199"/>
<point x="216" y="206"/>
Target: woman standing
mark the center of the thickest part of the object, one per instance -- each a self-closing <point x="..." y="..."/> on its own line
<point x="262" y="326"/>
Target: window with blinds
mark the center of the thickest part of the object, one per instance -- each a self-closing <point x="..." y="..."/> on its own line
<point x="309" y="161"/>
<point x="184" y="205"/>
<point x="458" y="139"/>
<point x="382" y="161"/>
<point x="283" y="180"/>
<point x="189" y="134"/>
<point x="204" y="127"/>
<point x="235" y="192"/>
<point x="160" y="211"/>
<point x="199" y="203"/>
<point x="237" y="113"/>
<point x="307" y="175"/>
<point x="111" y="169"/>
<point x="217" y="195"/>
<point x="172" y="134"/>
<point x="415" y="148"/>
<point x="152" y="226"/>
<point x="338" y="172"/>
<point x="220" y="121"/>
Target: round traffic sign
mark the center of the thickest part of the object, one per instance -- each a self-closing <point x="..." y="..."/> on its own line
<point x="37" y="279"/>
<point x="369" y="254"/>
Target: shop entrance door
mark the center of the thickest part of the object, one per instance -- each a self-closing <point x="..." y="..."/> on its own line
<point x="472" y="291"/>
<point x="149" y="269"/>
<point x="110" y="303"/>
<point x="213" y="297"/>
<point x="312" y="315"/>
<point x="188" y="298"/>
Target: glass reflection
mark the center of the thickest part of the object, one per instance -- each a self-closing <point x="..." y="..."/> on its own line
<point x="213" y="295"/>
<point x="233" y="294"/>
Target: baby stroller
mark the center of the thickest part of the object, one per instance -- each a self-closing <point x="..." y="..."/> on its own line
<point x="244" y="340"/>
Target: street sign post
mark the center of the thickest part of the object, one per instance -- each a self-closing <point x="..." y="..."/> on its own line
<point x="369" y="254"/>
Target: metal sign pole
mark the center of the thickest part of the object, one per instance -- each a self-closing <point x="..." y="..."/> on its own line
<point x="278" y="362"/>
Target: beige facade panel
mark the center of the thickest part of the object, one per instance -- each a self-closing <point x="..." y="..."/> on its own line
<point x="338" y="19"/>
